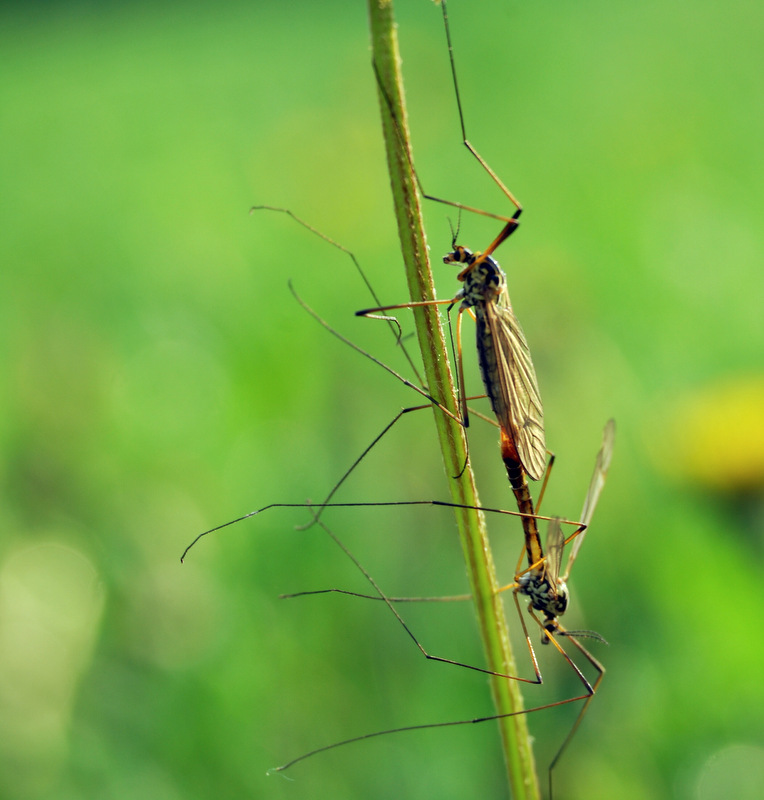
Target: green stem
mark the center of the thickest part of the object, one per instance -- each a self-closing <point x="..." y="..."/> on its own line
<point x="479" y="561"/>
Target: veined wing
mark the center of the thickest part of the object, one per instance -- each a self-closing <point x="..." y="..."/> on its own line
<point x="511" y="384"/>
<point x="554" y="544"/>
<point x="595" y="487"/>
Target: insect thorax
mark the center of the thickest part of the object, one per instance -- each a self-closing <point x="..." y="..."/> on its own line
<point x="552" y="601"/>
<point x="484" y="282"/>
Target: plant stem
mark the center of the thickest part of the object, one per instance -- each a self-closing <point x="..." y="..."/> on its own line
<point x="479" y="561"/>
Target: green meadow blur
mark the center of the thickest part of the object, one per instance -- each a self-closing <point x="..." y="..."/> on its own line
<point x="160" y="378"/>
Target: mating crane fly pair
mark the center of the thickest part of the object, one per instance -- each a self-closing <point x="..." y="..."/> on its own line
<point x="511" y="386"/>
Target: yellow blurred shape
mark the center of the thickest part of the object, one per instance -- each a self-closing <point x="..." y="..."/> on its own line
<point x="715" y="436"/>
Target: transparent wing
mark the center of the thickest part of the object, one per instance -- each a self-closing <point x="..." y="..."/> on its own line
<point x="595" y="487"/>
<point x="514" y="389"/>
<point x="554" y="543"/>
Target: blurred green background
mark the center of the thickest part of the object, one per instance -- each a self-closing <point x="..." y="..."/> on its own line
<point x="160" y="379"/>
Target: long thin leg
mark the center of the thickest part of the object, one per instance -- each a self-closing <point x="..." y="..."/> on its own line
<point x="590" y="690"/>
<point x="393" y="324"/>
<point x="371" y="313"/>
<point x="601" y="670"/>
<point x="519" y="570"/>
<point x="544" y="483"/>
<point x="464" y="412"/>
<point x="538" y="678"/>
<point x="327" y="500"/>
<point x="387" y="427"/>
<point x="462" y="399"/>
<point x="389" y="602"/>
<point x="452" y="203"/>
<point x="483" y="163"/>
<point x="511" y="221"/>
<point x="472" y="150"/>
<point x="368" y="355"/>
<point x="442" y="503"/>
<point x="420" y="647"/>
<point x="460" y="371"/>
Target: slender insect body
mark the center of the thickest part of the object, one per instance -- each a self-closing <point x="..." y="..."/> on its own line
<point x="519" y="484"/>
<point x="504" y="358"/>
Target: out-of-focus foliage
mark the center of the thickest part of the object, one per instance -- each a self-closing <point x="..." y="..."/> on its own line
<point x="159" y="379"/>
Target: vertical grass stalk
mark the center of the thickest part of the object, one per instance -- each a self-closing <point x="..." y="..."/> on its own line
<point x="479" y="561"/>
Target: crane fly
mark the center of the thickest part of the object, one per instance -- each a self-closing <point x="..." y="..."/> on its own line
<point x="503" y="354"/>
<point x="541" y="581"/>
<point x="547" y="590"/>
<point x="548" y="595"/>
